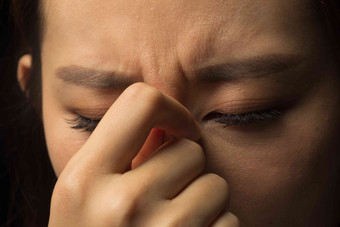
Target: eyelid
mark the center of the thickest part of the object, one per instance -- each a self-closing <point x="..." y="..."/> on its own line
<point x="83" y="123"/>
<point x="239" y="113"/>
<point x="244" y="119"/>
<point x="87" y="117"/>
<point x="90" y="113"/>
<point x="245" y="106"/>
<point x="241" y="107"/>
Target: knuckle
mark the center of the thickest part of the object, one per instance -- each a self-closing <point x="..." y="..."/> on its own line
<point x="115" y="213"/>
<point x="69" y="189"/>
<point x="122" y="206"/>
<point x="124" y="202"/>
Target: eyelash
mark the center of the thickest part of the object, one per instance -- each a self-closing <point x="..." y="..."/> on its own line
<point x="88" y="125"/>
<point x="83" y="123"/>
<point x="244" y="118"/>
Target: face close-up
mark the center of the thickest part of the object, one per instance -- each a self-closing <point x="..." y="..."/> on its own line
<point x="256" y="75"/>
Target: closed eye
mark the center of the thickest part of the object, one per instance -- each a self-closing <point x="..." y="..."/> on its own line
<point x="244" y="118"/>
<point x="88" y="125"/>
<point x="83" y="123"/>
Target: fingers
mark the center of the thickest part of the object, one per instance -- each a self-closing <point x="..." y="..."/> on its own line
<point x="123" y="130"/>
<point x="165" y="188"/>
<point x="227" y="219"/>
<point x="171" y="169"/>
<point x="202" y="200"/>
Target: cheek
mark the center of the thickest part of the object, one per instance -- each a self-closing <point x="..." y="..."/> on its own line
<point x="267" y="178"/>
<point x="62" y="141"/>
<point x="279" y="175"/>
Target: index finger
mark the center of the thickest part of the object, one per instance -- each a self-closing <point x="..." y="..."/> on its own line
<point x="124" y="128"/>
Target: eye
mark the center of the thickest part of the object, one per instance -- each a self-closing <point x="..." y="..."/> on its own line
<point x="244" y="118"/>
<point x="83" y="123"/>
<point x="88" y="125"/>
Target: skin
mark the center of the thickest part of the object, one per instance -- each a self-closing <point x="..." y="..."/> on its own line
<point x="280" y="172"/>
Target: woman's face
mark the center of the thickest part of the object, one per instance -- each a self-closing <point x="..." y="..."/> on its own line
<point x="261" y="60"/>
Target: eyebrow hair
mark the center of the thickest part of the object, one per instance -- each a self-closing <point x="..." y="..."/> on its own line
<point x="251" y="67"/>
<point x="248" y="68"/>
<point x="94" y="78"/>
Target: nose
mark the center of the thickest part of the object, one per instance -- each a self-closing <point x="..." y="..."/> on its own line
<point x="168" y="77"/>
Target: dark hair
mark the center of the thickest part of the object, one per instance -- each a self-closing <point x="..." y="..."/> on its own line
<point x="329" y="13"/>
<point x="30" y="172"/>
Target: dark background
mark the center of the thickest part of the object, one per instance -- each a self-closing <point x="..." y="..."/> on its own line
<point x="7" y="82"/>
<point x="6" y="65"/>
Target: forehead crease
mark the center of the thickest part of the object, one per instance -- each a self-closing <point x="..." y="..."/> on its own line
<point x="161" y="15"/>
<point x="178" y="24"/>
<point x="189" y="30"/>
<point x="154" y="16"/>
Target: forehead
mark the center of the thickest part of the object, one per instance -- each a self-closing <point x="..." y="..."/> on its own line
<point x="128" y="29"/>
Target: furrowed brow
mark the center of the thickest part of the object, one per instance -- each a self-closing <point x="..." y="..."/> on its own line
<point x="254" y="67"/>
<point x="258" y="66"/>
<point x="94" y="78"/>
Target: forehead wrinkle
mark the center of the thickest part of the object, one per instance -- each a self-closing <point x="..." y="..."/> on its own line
<point x="206" y="43"/>
<point x="158" y="12"/>
<point x="192" y="41"/>
<point x="197" y="30"/>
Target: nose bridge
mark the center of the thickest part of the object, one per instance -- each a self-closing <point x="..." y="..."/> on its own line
<point x="165" y="73"/>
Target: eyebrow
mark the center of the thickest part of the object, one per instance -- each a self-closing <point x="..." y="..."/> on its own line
<point x="94" y="78"/>
<point x="257" y="66"/>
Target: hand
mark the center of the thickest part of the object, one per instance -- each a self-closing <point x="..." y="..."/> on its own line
<point x="98" y="187"/>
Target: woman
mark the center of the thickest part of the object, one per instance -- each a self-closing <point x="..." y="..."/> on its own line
<point x="202" y="113"/>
